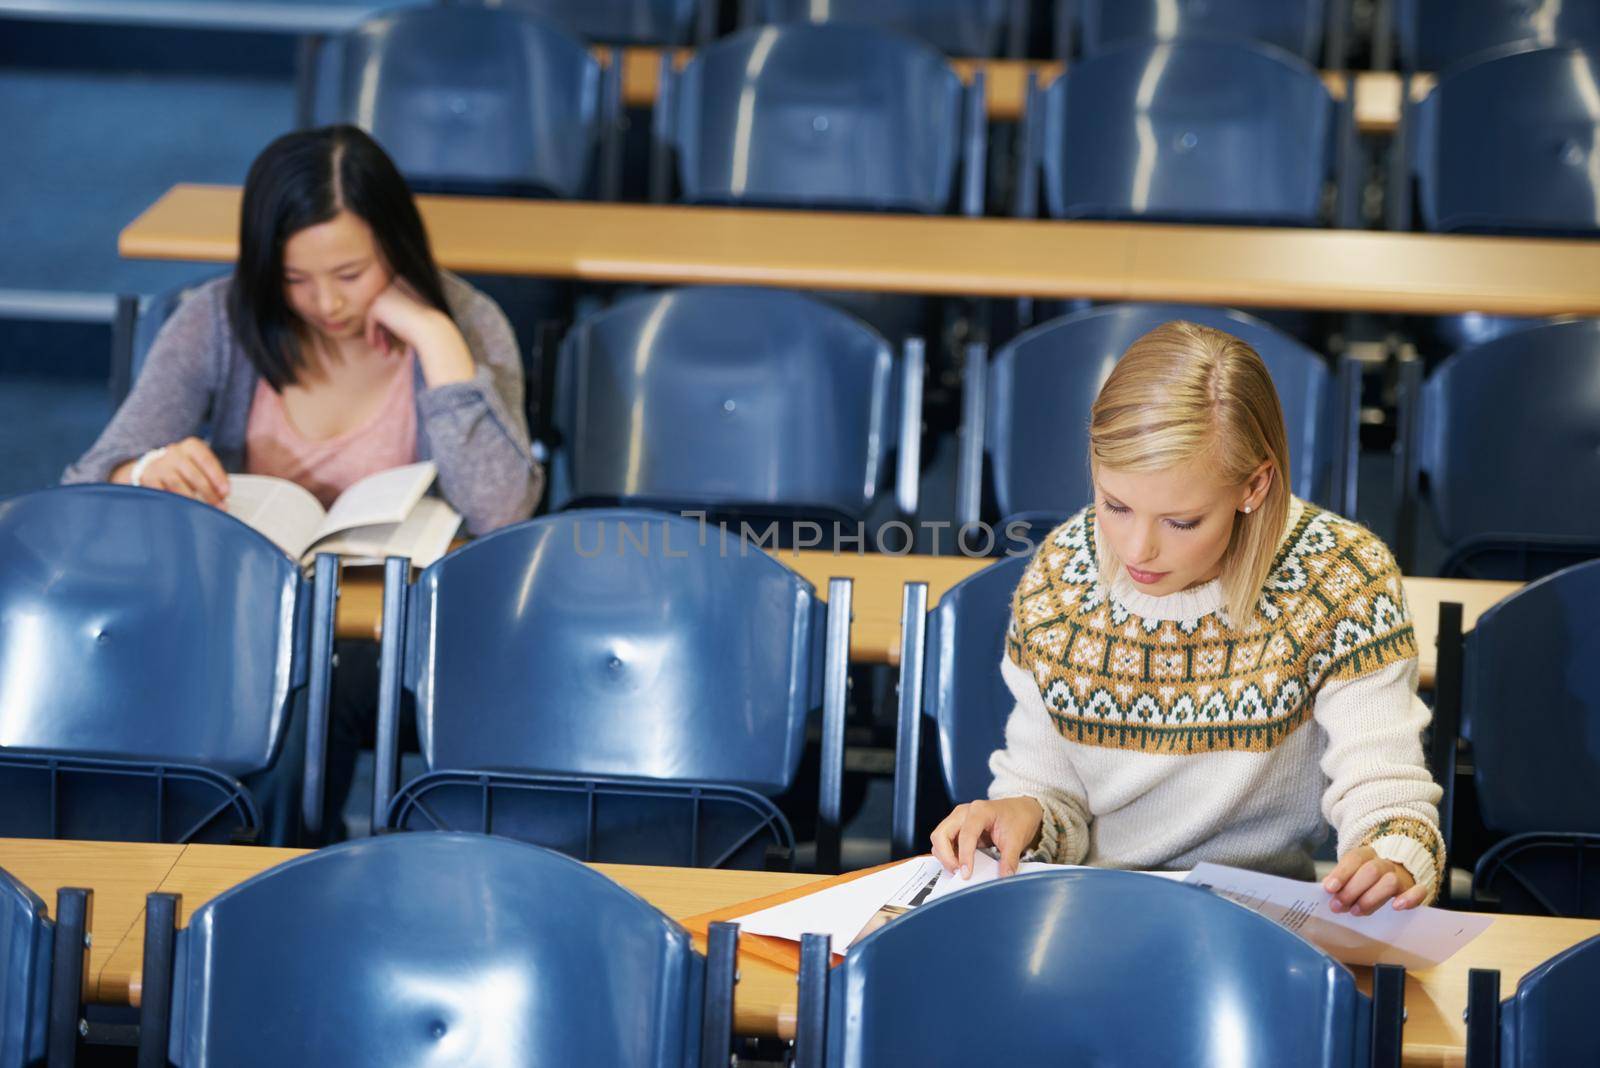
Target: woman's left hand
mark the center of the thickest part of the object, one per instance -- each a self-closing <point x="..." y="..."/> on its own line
<point x="398" y="320"/>
<point x="1362" y="882"/>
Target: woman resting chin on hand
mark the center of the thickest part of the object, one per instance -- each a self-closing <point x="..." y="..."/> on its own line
<point x="1206" y="668"/>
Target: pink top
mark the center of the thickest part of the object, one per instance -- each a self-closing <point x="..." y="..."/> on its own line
<point x="328" y="467"/>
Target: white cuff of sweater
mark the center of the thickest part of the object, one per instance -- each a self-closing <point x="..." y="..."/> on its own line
<point x="1410" y="854"/>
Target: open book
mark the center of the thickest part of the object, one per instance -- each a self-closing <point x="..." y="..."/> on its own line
<point x="382" y="515"/>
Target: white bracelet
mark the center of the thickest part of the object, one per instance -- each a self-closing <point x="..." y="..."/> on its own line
<point x="143" y="462"/>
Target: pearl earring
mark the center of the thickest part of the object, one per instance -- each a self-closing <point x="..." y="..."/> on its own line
<point x="1247" y="509"/>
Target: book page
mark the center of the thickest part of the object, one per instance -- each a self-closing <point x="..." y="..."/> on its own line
<point x="1415" y="938"/>
<point x="286" y="513"/>
<point x="424" y="536"/>
<point x="378" y="500"/>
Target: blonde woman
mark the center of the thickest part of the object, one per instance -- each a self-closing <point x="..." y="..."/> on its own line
<point x="1206" y="668"/>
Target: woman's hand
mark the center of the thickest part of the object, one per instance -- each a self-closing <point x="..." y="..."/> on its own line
<point x="1010" y="824"/>
<point x="188" y="468"/>
<point x="1362" y="882"/>
<point x="398" y="320"/>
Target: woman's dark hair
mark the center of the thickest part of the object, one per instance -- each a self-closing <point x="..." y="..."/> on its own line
<point x="300" y="180"/>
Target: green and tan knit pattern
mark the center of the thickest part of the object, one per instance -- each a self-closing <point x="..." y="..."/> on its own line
<point x="1332" y="608"/>
<point x="1418" y="831"/>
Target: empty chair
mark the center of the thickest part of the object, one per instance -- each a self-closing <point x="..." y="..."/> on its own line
<point x="1205" y="130"/>
<point x="161" y="662"/>
<point x="475" y="100"/>
<point x="619" y="685"/>
<point x="750" y="401"/>
<point x="1500" y="443"/>
<point x="26" y="952"/>
<point x="1529" y="709"/>
<point x="433" y="948"/>
<point x="1549" y="1020"/>
<point x="955" y="27"/>
<point x="950" y="681"/>
<point x="1027" y="410"/>
<point x="822" y="116"/>
<point x="1091" y="967"/>
<point x="630" y="22"/>
<point x="1436" y="34"/>
<point x="1296" y="26"/>
<point x="1532" y="112"/>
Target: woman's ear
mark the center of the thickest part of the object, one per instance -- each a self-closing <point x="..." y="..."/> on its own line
<point x="1257" y="486"/>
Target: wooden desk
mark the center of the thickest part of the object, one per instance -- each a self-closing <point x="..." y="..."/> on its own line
<point x="879" y="581"/>
<point x="1427" y="274"/>
<point x="1006" y="81"/>
<point x="765" y="998"/>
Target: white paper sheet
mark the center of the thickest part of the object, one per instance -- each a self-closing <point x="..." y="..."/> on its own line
<point x="1414" y="938"/>
<point x="843" y="912"/>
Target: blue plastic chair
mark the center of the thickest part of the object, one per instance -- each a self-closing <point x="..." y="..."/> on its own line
<point x="1548" y="1021"/>
<point x="1521" y="689"/>
<point x="977" y="28"/>
<point x="1202" y="130"/>
<point x="1027" y="410"/>
<point x="1296" y="26"/>
<point x="748" y="401"/>
<point x="27" y="940"/>
<point x="468" y="99"/>
<point x="1530" y="111"/>
<point x="1504" y="434"/>
<point x="1436" y="34"/>
<point x="821" y="116"/>
<point x="162" y="662"/>
<point x="434" y="948"/>
<point x="619" y="685"/>
<point x="950" y="680"/>
<point x="625" y="22"/>
<point x="1090" y="967"/>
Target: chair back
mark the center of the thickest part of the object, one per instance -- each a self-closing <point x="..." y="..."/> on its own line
<point x="970" y="28"/>
<point x="615" y="642"/>
<point x="1506" y="439"/>
<point x="469" y="99"/>
<point x="1437" y="34"/>
<point x="1043" y="384"/>
<point x="26" y="950"/>
<point x="1549" y="1020"/>
<point x="626" y="22"/>
<point x="817" y="116"/>
<point x="434" y="948"/>
<point x="1292" y="25"/>
<point x="1093" y="967"/>
<point x="1205" y="130"/>
<point x="139" y="626"/>
<point x="1530" y="708"/>
<point x="737" y="400"/>
<point x="1531" y="111"/>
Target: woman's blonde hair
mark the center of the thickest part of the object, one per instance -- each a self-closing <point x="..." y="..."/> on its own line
<point x="1184" y="392"/>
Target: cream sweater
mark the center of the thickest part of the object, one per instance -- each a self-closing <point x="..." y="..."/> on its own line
<point x="1154" y="735"/>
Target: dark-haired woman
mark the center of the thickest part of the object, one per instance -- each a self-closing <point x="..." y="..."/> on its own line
<point x="336" y="349"/>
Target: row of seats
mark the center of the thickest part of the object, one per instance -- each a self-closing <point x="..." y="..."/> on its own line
<point x="1205" y="129"/>
<point x="732" y="378"/>
<point x="493" y="951"/>
<point x="1431" y="34"/>
<point x="621" y="685"/>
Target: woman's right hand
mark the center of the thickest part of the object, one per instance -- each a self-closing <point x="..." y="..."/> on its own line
<point x="188" y="468"/>
<point x="1010" y="824"/>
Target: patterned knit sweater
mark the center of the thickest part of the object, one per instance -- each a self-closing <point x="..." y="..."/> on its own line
<point x="1155" y="735"/>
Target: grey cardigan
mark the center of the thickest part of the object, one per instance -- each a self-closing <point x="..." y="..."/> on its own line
<point x="197" y="381"/>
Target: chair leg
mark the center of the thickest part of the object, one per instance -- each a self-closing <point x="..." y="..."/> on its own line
<point x="69" y="962"/>
<point x="1483" y="1018"/>
<point x="811" y="1019"/>
<point x="1388" y="1014"/>
<point x="155" y="1000"/>
<point x="722" y="973"/>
